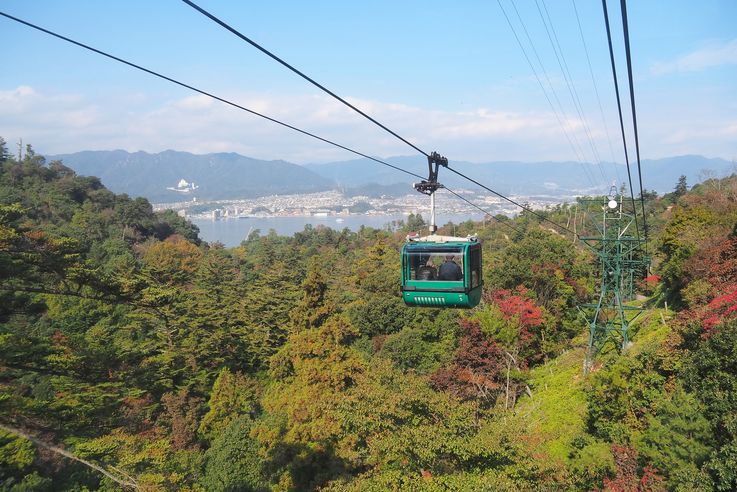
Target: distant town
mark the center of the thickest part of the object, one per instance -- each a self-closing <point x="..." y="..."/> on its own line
<point x="335" y="203"/>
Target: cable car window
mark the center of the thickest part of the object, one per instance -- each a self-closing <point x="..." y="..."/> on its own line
<point x="475" y="266"/>
<point x="443" y="264"/>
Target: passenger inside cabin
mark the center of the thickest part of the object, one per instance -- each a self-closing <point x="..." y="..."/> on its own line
<point x="427" y="271"/>
<point x="450" y="270"/>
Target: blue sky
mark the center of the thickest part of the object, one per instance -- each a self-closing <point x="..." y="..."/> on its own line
<point x="449" y="76"/>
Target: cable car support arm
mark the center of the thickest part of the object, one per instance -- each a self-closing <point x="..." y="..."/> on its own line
<point x="431" y="185"/>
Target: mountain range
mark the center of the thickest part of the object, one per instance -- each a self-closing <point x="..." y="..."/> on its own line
<point x="230" y="175"/>
<point x="216" y="176"/>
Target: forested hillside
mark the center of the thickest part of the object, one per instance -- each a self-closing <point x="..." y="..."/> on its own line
<point x="133" y="356"/>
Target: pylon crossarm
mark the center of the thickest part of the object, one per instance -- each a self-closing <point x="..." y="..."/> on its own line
<point x="626" y="239"/>
<point x="596" y="306"/>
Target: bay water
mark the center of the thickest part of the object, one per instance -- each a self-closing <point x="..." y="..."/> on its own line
<point x="231" y="232"/>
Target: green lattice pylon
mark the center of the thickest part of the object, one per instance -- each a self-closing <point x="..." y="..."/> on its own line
<point x="621" y="262"/>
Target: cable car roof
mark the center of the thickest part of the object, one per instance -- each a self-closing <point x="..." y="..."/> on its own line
<point x="434" y="238"/>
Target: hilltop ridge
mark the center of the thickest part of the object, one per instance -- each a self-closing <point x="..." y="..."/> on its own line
<point x="220" y="176"/>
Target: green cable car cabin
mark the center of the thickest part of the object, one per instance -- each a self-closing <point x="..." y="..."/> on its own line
<point x="441" y="271"/>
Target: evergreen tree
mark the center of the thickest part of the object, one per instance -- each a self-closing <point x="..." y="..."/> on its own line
<point x="4" y="153"/>
<point x="233" y="463"/>
<point x="681" y="187"/>
<point x="313" y="310"/>
<point x="233" y="396"/>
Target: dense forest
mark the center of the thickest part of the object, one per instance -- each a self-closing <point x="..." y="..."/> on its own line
<point x="134" y="356"/>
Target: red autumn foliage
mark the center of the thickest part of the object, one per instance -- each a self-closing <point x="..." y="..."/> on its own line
<point x="477" y="370"/>
<point x="180" y="418"/>
<point x="521" y="311"/>
<point x="60" y="340"/>
<point x="648" y="284"/>
<point x="35" y="236"/>
<point x="652" y="280"/>
<point x="627" y="479"/>
<point x="516" y="304"/>
<point x="720" y="309"/>
<point x="716" y="264"/>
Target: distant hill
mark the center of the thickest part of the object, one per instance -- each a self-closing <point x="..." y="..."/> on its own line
<point x="216" y="176"/>
<point x="529" y="178"/>
<point x="230" y="175"/>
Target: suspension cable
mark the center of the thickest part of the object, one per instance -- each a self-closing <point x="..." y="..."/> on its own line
<point x="634" y="112"/>
<point x="619" y="108"/>
<point x="286" y="125"/>
<point x="569" y="82"/>
<point x="486" y="212"/>
<point x="230" y="103"/>
<point x="596" y="90"/>
<point x="523" y="207"/>
<point x="576" y="151"/>
<point x="290" y="67"/>
<point x="200" y="91"/>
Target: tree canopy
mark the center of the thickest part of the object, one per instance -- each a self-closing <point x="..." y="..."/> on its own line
<point x="291" y="363"/>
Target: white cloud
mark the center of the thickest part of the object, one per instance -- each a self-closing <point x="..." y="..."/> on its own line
<point x="195" y="102"/>
<point x="710" y="56"/>
<point x="62" y="123"/>
<point x="719" y="130"/>
<point x="16" y="94"/>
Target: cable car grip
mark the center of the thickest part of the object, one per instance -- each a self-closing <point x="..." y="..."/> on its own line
<point x="429" y="186"/>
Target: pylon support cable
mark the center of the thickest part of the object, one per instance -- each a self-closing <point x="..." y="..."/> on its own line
<point x="596" y="90"/>
<point x="563" y="65"/>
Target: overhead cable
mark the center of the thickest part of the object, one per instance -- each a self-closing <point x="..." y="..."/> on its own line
<point x="578" y="150"/>
<point x="523" y="207"/>
<point x="596" y="90"/>
<point x="569" y="81"/>
<point x="290" y="67"/>
<point x="486" y="212"/>
<point x="200" y="91"/>
<point x="230" y="103"/>
<point x="634" y="110"/>
<point x="286" y="125"/>
<point x="619" y="108"/>
<point x="545" y="93"/>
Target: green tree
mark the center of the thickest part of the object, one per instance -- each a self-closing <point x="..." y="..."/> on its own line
<point x="17" y="456"/>
<point x="678" y="439"/>
<point x="680" y="239"/>
<point x="681" y="187"/>
<point x="378" y="308"/>
<point x="233" y="462"/>
<point x="415" y="222"/>
<point x="4" y="154"/>
<point x="421" y="349"/>
<point x="622" y="395"/>
<point x="313" y="310"/>
<point x="710" y="372"/>
<point x="234" y="395"/>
